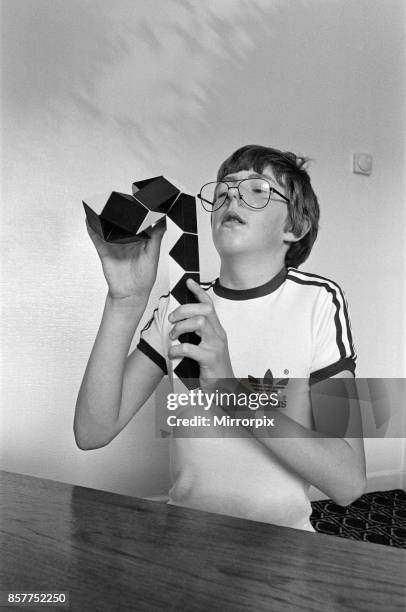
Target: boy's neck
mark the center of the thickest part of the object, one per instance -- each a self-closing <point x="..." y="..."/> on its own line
<point x="248" y="271"/>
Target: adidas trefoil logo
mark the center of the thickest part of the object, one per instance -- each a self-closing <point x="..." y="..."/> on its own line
<point x="268" y="385"/>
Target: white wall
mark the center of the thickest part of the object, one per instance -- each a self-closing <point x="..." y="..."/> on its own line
<point x="98" y="94"/>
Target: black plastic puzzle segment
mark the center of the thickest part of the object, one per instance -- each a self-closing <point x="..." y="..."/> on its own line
<point x="123" y="210"/>
<point x="190" y="338"/>
<point x="137" y="185"/>
<point x="180" y="291"/>
<point x="116" y="234"/>
<point x="157" y="195"/>
<point x="188" y="370"/>
<point x="93" y="219"/>
<point x="183" y="213"/>
<point x="185" y="252"/>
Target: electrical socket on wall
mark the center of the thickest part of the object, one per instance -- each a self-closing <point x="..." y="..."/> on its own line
<point x="362" y="163"/>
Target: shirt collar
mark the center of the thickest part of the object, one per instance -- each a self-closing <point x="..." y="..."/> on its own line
<point x="254" y="292"/>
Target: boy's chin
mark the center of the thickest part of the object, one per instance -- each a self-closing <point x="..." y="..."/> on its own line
<point x="231" y="247"/>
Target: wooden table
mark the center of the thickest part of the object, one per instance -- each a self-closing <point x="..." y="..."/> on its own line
<point x="113" y="552"/>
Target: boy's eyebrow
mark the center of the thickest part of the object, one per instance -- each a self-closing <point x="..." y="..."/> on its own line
<point x="231" y="177"/>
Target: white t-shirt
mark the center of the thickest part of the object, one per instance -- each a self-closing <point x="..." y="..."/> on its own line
<point x="297" y="326"/>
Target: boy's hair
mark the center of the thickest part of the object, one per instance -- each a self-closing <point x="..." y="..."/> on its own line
<point x="291" y="175"/>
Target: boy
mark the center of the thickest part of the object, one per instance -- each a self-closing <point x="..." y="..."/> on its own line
<point x="261" y="319"/>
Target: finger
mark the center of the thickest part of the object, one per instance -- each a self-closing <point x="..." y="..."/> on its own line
<point x="157" y="232"/>
<point x="200" y="293"/>
<point x="189" y="310"/>
<point x="197" y="309"/>
<point x="204" y="298"/>
<point x="177" y="351"/>
<point x="160" y="227"/>
<point x="198" y="324"/>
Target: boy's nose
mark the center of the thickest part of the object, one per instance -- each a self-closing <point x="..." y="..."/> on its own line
<point x="233" y="194"/>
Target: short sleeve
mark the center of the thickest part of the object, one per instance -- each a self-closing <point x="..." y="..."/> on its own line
<point x="152" y="334"/>
<point x="333" y="348"/>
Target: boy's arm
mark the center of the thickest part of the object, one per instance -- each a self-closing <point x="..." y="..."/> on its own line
<point x="115" y="386"/>
<point x="326" y="459"/>
<point x="336" y="412"/>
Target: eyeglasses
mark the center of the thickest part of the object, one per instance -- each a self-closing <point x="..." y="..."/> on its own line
<point x="254" y="192"/>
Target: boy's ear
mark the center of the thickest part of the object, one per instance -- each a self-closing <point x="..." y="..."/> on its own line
<point x="289" y="236"/>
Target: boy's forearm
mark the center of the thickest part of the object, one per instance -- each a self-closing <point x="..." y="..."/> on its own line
<point x="100" y="393"/>
<point x="327" y="462"/>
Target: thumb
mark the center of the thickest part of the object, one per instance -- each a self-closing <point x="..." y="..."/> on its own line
<point x="159" y="230"/>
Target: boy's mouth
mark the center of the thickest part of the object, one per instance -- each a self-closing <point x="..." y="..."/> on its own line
<point x="231" y="218"/>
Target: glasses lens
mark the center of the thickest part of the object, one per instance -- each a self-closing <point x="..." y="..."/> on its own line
<point x="213" y="195"/>
<point x="255" y="192"/>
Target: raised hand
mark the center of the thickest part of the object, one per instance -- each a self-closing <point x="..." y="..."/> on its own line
<point x="130" y="269"/>
<point x="212" y="353"/>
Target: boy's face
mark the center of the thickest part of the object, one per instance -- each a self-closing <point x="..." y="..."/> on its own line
<point x="261" y="230"/>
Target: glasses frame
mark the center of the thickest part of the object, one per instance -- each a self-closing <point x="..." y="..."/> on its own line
<point x="237" y="186"/>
